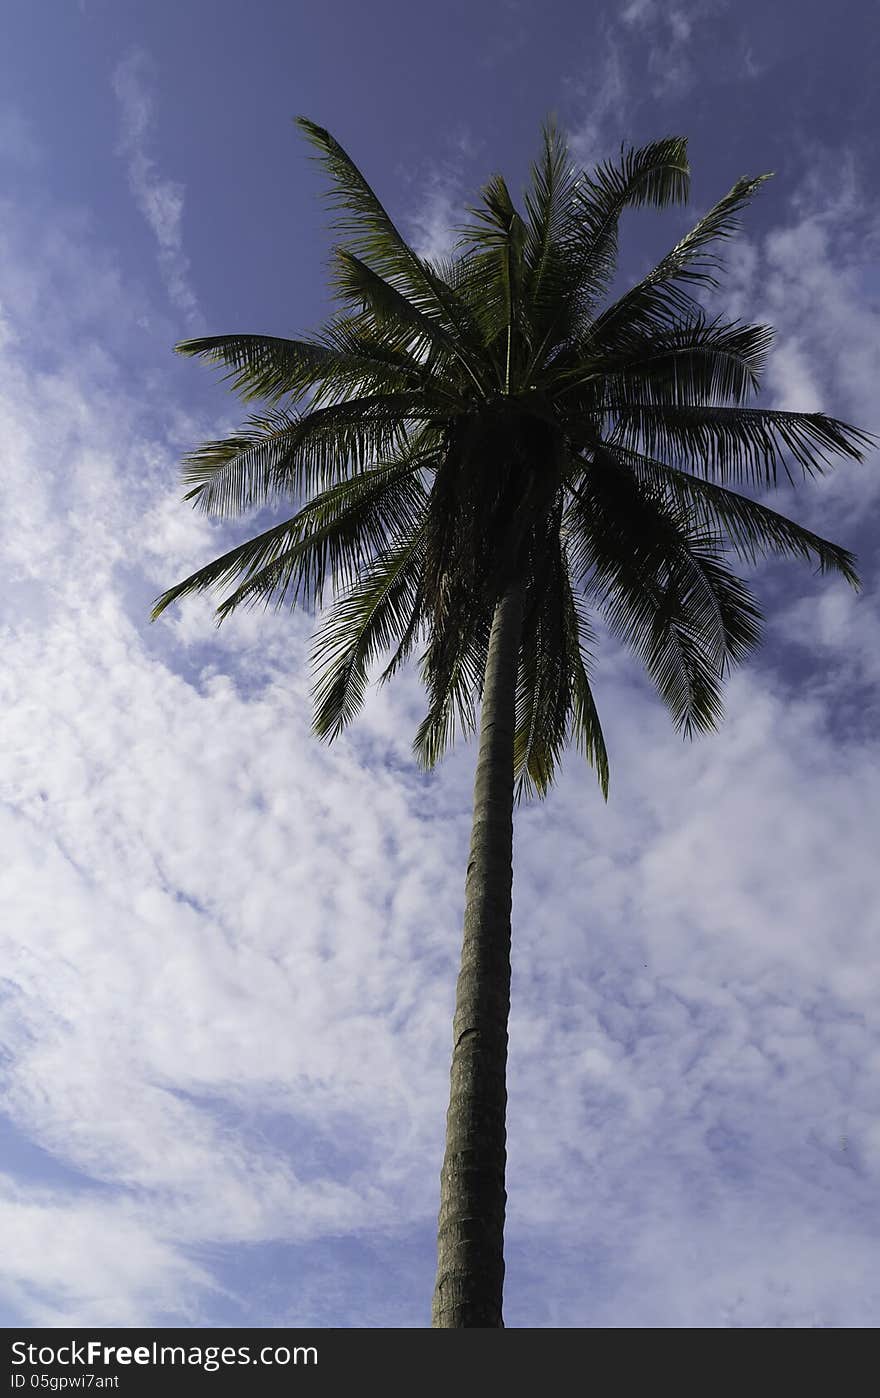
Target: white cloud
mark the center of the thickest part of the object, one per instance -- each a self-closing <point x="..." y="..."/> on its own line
<point x="598" y="134"/>
<point x="230" y="952"/>
<point x="644" y="48"/>
<point x="438" y="209"/>
<point x="159" y="199"/>
<point x="637" y="12"/>
<point x="433" y="222"/>
<point x="668" y="32"/>
<point x="810" y="278"/>
<point x="102" y="1261"/>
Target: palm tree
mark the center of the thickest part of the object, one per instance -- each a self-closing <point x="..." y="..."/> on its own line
<point x="481" y="454"/>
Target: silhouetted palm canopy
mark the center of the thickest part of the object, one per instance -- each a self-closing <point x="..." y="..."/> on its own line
<point x="464" y="421"/>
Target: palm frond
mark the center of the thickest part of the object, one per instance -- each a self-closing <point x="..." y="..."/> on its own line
<point x="390" y="310"/>
<point x="452" y="669"/>
<point x="543" y="694"/>
<point x="658" y="298"/>
<point x="344" y="360"/>
<point x="336" y="533"/>
<point x="372" y="235"/>
<point x="379" y="609"/>
<point x="242" y="560"/>
<point x="386" y="359"/>
<point x="737" y="444"/>
<point x="343" y="529"/>
<point x="279" y="455"/>
<point x="586" y="726"/>
<point x="697" y="361"/>
<point x="410" y="635"/>
<point x="657" y="174"/>
<point x="452" y="708"/>
<point x="664" y="591"/>
<point x="263" y="366"/>
<point x="548" y="207"/>
<point x="581" y="255"/>
<point x="495" y="278"/>
<point x="753" y="530"/>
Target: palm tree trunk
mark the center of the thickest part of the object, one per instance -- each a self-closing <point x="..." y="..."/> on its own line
<point x="470" y="1269"/>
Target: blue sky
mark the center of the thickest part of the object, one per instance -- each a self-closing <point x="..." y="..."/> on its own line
<point x="229" y="952"/>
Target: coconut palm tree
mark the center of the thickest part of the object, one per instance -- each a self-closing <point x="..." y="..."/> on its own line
<point x="484" y="456"/>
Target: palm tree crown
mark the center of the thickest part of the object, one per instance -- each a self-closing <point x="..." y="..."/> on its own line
<point x="460" y="422"/>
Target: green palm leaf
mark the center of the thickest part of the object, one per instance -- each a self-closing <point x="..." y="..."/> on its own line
<point x="581" y="250"/>
<point x="281" y="455"/>
<point x="737" y="444"/>
<point x="363" y="623"/>
<point x="657" y="174"/>
<point x="336" y="533"/>
<point x="263" y="366"/>
<point x="695" y="362"/>
<point x="586" y="727"/>
<point x="664" y="590"/>
<point x="753" y="530"/>
<point x="548" y="203"/>
<point x="659" y="298"/>
<point x="390" y="312"/>
<point x="372" y="235"/>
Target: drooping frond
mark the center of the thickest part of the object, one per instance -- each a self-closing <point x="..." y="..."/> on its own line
<point x="409" y="636"/>
<point x="697" y="361"/>
<point x="345" y="528"/>
<point x="452" y="669"/>
<point x="241" y="561"/>
<point x="586" y="727"/>
<point x="736" y="444"/>
<point x="664" y="590"/>
<point x="378" y="610"/>
<point x="660" y="297"/>
<point x="543" y="695"/>
<point x="554" y="699"/>
<point x="753" y="530"/>
<point x="281" y="455"/>
<point x="337" y="533"/>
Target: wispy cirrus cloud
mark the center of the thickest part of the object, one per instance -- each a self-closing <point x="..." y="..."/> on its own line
<point x="432" y="223"/>
<point x="439" y="210"/>
<point x="642" y="49"/>
<point x="607" y="114"/>
<point x="668" y="31"/>
<point x="160" y="199"/>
